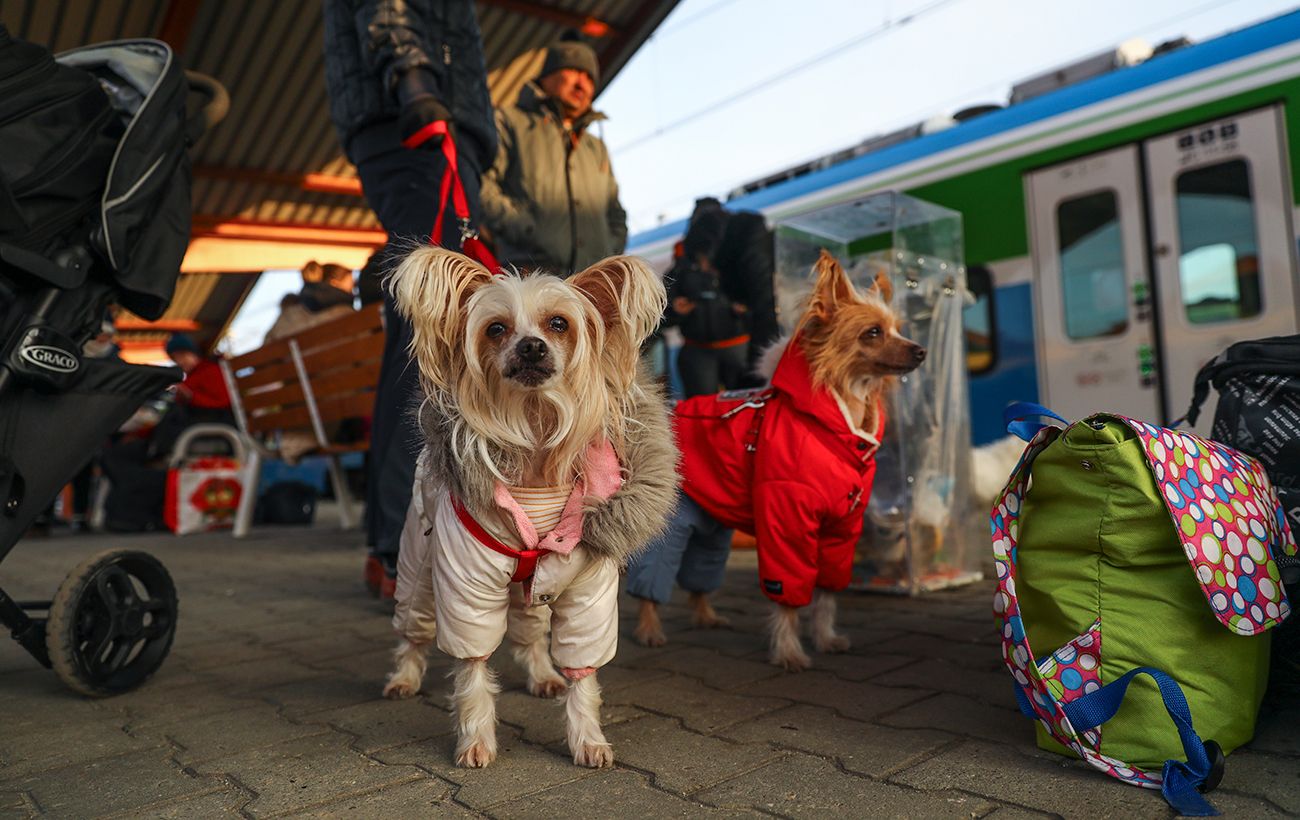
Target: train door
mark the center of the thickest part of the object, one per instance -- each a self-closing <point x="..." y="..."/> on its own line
<point x="1222" y="248"/>
<point x="1095" y="341"/>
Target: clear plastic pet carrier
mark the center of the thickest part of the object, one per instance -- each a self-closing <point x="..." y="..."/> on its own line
<point x="918" y="535"/>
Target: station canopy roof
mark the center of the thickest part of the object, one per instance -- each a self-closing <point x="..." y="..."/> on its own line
<point x="272" y="188"/>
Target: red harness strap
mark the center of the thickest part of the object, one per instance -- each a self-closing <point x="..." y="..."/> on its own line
<point x="527" y="558"/>
<point x="451" y="185"/>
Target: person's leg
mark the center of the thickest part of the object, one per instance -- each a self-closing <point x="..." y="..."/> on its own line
<point x="699" y="368"/>
<point x="402" y="187"/>
<point x="732" y="363"/>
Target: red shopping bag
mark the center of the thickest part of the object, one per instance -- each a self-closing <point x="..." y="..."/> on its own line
<point x="202" y="494"/>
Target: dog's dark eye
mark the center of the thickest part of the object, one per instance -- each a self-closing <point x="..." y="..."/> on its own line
<point x="495" y="329"/>
<point x="559" y="324"/>
<point x="871" y="333"/>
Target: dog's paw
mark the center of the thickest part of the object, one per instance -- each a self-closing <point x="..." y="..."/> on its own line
<point x="476" y="756"/>
<point x="833" y="644"/>
<point x="400" y="689"/>
<point x="652" y="636"/>
<point x="594" y="755"/>
<point x="796" y="661"/>
<point x="547" y="687"/>
<point x="710" y="620"/>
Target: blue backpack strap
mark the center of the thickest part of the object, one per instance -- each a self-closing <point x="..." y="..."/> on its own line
<point x="1183" y="780"/>
<point x="1016" y="413"/>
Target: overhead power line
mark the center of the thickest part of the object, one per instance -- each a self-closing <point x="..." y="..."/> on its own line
<point x="788" y="72"/>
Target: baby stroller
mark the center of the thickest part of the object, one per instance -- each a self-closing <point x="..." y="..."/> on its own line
<point x="94" y="210"/>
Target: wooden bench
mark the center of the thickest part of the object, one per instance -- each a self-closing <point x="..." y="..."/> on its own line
<point x="304" y="384"/>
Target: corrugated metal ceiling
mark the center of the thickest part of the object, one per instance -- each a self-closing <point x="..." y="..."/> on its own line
<point x="268" y="55"/>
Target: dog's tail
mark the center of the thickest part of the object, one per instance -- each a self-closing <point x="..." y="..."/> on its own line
<point x="431" y="286"/>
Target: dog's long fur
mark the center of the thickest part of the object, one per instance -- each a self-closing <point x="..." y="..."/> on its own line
<point x="629" y="519"/>
<point x="482" y="428"/>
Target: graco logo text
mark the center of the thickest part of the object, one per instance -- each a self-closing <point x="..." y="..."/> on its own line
<point x="50" y="358"/>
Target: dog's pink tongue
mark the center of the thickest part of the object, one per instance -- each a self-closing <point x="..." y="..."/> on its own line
<point x="576" y="675"/>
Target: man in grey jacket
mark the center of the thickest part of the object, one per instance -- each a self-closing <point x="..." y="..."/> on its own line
<point x="549" y="198"/>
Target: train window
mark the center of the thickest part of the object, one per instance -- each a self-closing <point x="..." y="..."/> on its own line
<point x="1218" y="263"/>
<point x="1093" y="285"/>
<point x="978" y="323"/>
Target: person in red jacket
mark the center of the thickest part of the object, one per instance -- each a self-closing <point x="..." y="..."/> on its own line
<point x="204" y="390"/>
<point x="136" y="466"/>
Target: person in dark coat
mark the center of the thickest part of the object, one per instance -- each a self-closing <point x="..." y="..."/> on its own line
<point x="394" y="68"/>
<point x="745" y="258"/>
<point x="707" y="308"/>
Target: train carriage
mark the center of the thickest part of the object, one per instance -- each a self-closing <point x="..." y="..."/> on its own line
<point x="1120" y="229"/>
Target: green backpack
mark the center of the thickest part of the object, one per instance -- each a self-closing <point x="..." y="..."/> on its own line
<point x="1144" y="561"/>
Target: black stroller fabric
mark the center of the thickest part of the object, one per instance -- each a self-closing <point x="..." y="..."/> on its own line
<point x="145" y="215"/>
<point x="47" y="437"/>
<point x="59" y="133"/>
<point x="94" y="154"/>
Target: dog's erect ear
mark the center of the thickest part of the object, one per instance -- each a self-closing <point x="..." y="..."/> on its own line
<point x="627" y="294"/>
<point x="431" y="286"/>
<point x="832" y="290"/>
<point x="884" y="287"/>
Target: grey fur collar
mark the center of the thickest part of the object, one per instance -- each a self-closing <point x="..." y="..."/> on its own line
<point x="617" y="528"/>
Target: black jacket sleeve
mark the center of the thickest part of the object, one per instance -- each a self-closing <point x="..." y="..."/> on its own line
<point x="394" y="41"/>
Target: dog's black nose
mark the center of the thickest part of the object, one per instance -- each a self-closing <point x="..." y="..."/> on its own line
<point x="919" y="354"/>
<point x="531" y="349"/>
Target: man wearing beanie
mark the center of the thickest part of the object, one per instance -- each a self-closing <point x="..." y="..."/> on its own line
<point x="549" y="198"/>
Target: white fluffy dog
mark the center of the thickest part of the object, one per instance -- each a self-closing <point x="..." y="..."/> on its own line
<point x="547" y="461"/>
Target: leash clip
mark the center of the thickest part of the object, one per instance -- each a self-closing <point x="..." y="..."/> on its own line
<point x="754" y="403"/>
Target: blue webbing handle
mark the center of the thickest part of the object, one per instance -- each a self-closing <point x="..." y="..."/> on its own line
<point x="1016" y="413"/>
<point x="1181" y="779"/>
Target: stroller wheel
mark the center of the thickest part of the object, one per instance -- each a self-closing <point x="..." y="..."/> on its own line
<point x="112" y="622"/>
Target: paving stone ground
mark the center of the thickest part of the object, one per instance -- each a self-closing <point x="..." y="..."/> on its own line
<point x="269" y="706"/>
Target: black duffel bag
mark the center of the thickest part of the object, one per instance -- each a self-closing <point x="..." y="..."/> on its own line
<point x="286" y="502"/>
<point x="1259" y="409"/>
<point x="1259" y="413"/>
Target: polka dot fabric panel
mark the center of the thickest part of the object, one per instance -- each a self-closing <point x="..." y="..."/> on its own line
<point x="1230" y="521"/>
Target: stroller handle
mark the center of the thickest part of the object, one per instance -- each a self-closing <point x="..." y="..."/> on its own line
<point x="213" y="111"/>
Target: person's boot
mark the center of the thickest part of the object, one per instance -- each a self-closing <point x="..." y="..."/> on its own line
<point x="388" y="583"/>
<point x="374" y="574"/>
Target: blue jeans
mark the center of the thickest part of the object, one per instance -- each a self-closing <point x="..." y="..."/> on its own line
<point x="692" y="552"/>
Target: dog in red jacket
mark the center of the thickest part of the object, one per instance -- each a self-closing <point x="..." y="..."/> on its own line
<point x="792" y="464"/>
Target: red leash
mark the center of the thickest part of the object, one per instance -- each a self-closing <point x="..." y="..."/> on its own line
<point x="451" y="185"/>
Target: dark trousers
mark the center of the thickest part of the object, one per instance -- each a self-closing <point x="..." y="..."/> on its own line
<point x="402" y="188"/>
<point x="707" y="370"/>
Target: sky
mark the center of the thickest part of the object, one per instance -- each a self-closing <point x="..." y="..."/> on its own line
<point x="727" y="91"/>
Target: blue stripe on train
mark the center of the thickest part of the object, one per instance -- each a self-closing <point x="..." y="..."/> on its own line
<point x="1268" y="34"/>
<point x="1014" y="376"/>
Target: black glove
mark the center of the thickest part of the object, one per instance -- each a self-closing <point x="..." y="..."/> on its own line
<point x="418" y="113"/>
